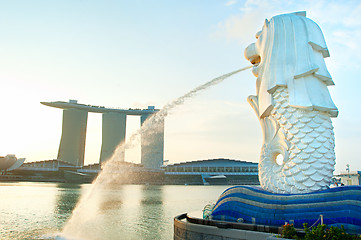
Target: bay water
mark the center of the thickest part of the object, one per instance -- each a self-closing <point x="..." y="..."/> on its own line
<point x="31" y="210"/>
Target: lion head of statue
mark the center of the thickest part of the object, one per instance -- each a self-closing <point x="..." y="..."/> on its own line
<point x="290" y="51"/>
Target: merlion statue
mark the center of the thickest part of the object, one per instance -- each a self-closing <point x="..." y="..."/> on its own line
<point x="293" y="104"/>
<point x="295" y="109"/>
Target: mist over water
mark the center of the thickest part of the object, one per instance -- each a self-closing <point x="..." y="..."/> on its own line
<point x="87" y="214"/>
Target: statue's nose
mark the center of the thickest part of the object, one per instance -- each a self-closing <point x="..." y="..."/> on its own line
<point x="250" y="52"/>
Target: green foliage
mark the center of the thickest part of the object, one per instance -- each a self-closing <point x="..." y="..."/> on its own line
<point x="317" y="233"/>
<point x="333" y="233"/>
<point x="289" y="231"/>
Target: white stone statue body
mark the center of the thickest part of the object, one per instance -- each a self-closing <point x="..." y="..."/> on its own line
<point x="293" y="105"/>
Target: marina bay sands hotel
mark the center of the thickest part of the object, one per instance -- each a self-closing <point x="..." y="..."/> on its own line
<point x="73" y="137"/>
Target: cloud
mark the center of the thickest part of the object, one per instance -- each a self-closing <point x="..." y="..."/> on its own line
<point x="240" y="28"/>
<point x="339" y="21"/>
<point x="231" y="2"/>
<point x="353" y="18"/>
<point x="341" y="25"/>
<point x="256" y="5"/>
<point x="348" y="38"/>
<point x="243" y="26"/>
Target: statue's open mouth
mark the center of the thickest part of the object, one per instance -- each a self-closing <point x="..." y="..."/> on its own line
<point x="256" y="61"/>
<point x="252" y="55"/>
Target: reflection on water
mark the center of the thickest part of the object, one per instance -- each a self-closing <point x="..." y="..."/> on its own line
<point x="151" y="205"/>
<point x="40" y="210"/>
<point x="33" y="209"/>
<point x="68" y="195"/>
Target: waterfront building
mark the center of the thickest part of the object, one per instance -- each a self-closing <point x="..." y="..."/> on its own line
<point x="350" y="178"/>
<point x="60" y="171"/>
<point x="10" y="162"/>
<point x="43" y="171"/>
<point x="200" y="172"/>
<point x="73" y="137"/>
<point x="212" y="171"/>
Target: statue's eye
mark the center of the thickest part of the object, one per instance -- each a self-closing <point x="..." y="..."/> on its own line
<point x="258" y="34"/>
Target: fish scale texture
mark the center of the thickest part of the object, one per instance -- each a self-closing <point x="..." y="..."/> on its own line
<point x="309" y="159"/>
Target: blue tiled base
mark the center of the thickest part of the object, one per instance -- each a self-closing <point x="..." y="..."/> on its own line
<point x="339" y="206"/>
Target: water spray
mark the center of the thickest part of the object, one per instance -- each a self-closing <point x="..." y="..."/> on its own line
<point x="159" y="116"/>
<point x="86" y="209"/>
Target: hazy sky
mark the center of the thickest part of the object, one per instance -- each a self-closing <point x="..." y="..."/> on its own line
<point x="140" y="53"/>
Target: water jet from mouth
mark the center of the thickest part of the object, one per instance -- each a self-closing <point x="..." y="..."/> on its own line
<point x="86" y="214"/>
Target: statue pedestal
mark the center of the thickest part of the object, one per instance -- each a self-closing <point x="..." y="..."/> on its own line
<point x="338" y="206"/>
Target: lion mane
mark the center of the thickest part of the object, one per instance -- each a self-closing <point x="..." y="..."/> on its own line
<point x="292" y="49"/>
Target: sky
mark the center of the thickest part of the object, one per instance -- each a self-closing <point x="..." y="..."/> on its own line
<point x="149" y="52"/>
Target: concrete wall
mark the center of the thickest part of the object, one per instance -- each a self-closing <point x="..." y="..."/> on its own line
<point x="72" y="143"/>
<point x="152" y="143"/>
<point x="113" y="133"/>
<point x="184" y="230"/>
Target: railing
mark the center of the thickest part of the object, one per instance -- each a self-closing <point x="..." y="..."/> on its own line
<point x="212" y="173"/>
<point x="234" y="225"/>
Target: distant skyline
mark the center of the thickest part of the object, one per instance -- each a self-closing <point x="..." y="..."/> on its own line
<point x="132" y="54"/>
